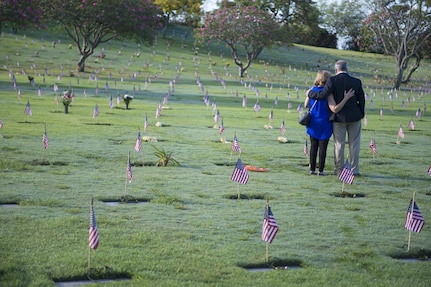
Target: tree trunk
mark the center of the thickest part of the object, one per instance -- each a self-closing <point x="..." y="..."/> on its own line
<point x="398" y="78"/>
<point x="81" y="62"/>
<point x="66" y="109"/>
<point x="414" y="68"/>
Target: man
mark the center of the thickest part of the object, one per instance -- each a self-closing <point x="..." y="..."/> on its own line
<point x="348" y="118"/>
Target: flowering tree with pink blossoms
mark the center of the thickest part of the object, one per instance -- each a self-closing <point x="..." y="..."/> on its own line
<point x="92" y="22"/>
<point x="245" y="30"/>
<point x="19" y="13"/>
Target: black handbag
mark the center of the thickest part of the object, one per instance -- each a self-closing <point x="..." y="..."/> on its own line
<point x="305" y="118"/>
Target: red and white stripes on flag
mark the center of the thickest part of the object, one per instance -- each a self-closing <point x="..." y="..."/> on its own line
<point x="240" y="173"/>
<point x="93" y="239"/>
<point x="401" y="132"/>
<point x="346" y="174"/>
<point x="146" y="123"/>
<point x="28" y="109"/>
<point x="429" y="170"/>
<point x="129" y="169"/>
<point x="235" y="144"/>
<point x="414" y="218"/>
<point x="269" y="226"/>
<point x="373" y="146"/>
<point x="282" y="128"/>
<point x="306" y="148"/>
<point x="1" y="123"/>
<point x="96" y="111"/>
<point x="221" y="130"/>
<point x="45" y="139"/>
<point x="138" y="142"/>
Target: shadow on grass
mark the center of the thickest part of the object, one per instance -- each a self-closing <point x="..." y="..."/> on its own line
<point x="124" y="200"/>
<point x="232" y="163"/>
<point x="272" y="264"/>
<point x="46" y="162"/>
<point x="245" y="196"/>
<point x="140" y="163"/>
<point x="412" y="255"/>
<point x="347" y="195"/>
<point x="94" y="275"/>
<point x="9" y="204"/>
<point x="98" y="124"/>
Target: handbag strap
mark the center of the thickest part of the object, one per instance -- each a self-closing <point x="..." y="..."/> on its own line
<point x="315" y="101"/>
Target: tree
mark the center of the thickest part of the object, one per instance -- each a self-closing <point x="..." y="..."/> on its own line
<point x="187" y="10"/>
<point x="401" y="28"/>
<point x="91" y="23"/>
<point x="242" y="28"/>
<point x="344" y="19"/>
<point x="299" y="18"/>
<point x="19" y="13"/>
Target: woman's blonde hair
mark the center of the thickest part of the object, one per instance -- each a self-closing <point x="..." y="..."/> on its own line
<point x="322" y="77"/>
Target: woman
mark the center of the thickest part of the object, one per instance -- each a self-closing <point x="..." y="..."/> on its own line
<point x="320" y="128"/>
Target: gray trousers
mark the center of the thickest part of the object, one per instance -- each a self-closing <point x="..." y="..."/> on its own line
<point x="353" y="131"/>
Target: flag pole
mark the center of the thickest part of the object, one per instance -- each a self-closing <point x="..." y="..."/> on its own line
<point x="266" y="256"/>
<point x="342" y="188"/>
<point x="267" y="244"/>
<point x="239" y="195"/>
<point x="410" y="232"/>
<point x="125" y="184"/>
<point x="89" y="248"/>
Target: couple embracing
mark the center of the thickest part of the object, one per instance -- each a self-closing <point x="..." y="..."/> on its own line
<point x="338" y="107"/>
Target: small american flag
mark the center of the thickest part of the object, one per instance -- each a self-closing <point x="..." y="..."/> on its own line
<point x="45" y="139"/>
<point x="300" y="108"/>
<point x="129" y="169"/>
<point x="138" y="142"/>
<point x="146" y="124"/>
<point x="401" y="132"/>
<point x="418" y="113"/>
<point x="235" y="144"/>
<point x="1" y="123"/>
<point x="93" y="239"/>
<point x="269" y="226"/>
<point x="221" y="131"/>
<point x="158" y="111"/>
<point x="256" y="107"/>
<point x="28" y="109"/>
<point x="282" y="128"/>
<point x="346" y="175"/>
<point x="217" y="117"/>
<point x="411" y="124"/>
<point x="240" y="174"/>
<point x="96" y="111"/>
<point x="429" y="170"/>
<point x="373" y="146"/>
<point x="244" y="101"/>
<point x="111" y="103"/>
<point x="39" y="91"/>
<point x="306" y="148"/>
<point x="414" y="218"/>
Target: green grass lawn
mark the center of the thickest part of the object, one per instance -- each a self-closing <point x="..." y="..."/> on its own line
<point x="190" y="230"/>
